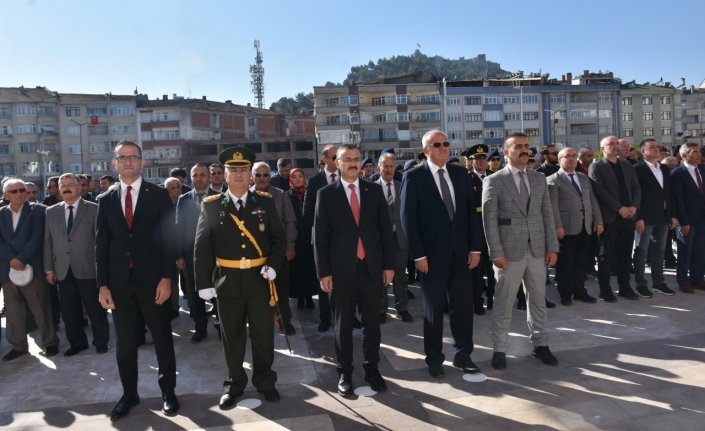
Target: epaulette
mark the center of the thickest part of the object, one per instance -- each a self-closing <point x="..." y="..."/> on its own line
<point x="263" y="194"/>
<point x="211" y="198"/>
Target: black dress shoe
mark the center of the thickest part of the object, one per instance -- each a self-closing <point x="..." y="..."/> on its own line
<point x="170" y="405"/>
<point x="550" y="304"/>
<point x="521" y="305"/>
<point x="13" y="354"/>
<point x="382" y="318"/>
<point x="543" y="353"/>
<point x="101" y="349"/>
<point x="466" y="364"/>
<point x="479" y="309"/>
<point x="356" y="323"/>
<point x="608" y="296"/>
<point x="436" y="370"/>
<point x="345" y="388"/>
<point x="374" y="378"/>
<point x="123" y="406"/>
<point x="271" y="394"/>
<point x="490" y="304"/>
<point x="324" y="326"/>
<point x="289" y="329"/>
<point x="585" y="298"/>
<point x="74" y="350"/>
<point x="50" y="351"/>
<point x="410" y="294"/>
<point x="199" y="336"/>
<point x="567" y="302"/>
<point x="227" y="401"/>
<point x="499" y="360"/>
<point x="628" y="293"/>
<point x="405" y="316"/>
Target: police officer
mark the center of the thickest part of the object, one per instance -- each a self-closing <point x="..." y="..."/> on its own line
<point x="239" y="247"/>
<point x="476" y="163"/>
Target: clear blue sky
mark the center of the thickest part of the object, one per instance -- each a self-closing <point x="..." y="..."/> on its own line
<point x="197" y="48"/>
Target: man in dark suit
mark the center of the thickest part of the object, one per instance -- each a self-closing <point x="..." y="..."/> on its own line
<point x="217" y="179"/>
<point x="577" y="215"/>
<point x="69" y="262"/>
<point x="188" y="208"/>
<point x="689" y="198"/>
<point x="440" y="221"/>
<point x="280" y="180"/>
<point x="239" y="250"/>
<point x="21" y="242"/>
<point x="617" y="189"/>
<point x="328" y="175"/>
<point x="354" y="252"/>
<point x="134" y="268"/>
<point x="392" y="193"/>
<point x="653" y="219"/>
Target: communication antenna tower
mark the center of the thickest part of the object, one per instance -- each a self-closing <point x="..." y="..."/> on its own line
<point x="257" y="74"/>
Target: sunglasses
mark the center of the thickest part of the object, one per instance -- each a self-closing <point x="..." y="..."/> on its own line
<point x="14" y="192"/>
<point x="264" y="174"/>
<point x="439" y="144"/>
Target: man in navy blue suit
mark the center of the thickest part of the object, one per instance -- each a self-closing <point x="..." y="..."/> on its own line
<point x="689" y="198"/>
<point x="440" y="221"/>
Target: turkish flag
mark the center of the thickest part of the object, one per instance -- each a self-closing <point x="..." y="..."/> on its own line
<point x="94" y="120"/>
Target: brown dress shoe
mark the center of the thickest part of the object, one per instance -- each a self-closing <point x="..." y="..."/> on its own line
<point x="687" y="288"/>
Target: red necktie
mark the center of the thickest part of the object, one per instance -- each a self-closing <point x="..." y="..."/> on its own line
<point x="700" y="181"/>
<point x="355" y="205"/>
<point x="128" y="207"/>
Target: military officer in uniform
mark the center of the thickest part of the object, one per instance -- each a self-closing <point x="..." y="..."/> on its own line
<point x="239" y="248"/>
<point x="476" y="163"/>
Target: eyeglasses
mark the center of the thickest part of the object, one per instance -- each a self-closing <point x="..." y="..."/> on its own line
<point x="14" y="192"/>
<point x="264" y="174"/>
<point x="439" y="144"/>
<point x="131" y="159"/>
<point x="333" y="157"/>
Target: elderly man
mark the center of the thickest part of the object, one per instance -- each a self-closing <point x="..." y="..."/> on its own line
<point x="625" y="151"/>
<point x="21" y="242"/>
<point x="261" y="177"/>
<point x="69" y="262"/>
<point x="280" y="180"/>
<point x="440" y="221"/>
<point x="576" y="213"/>
<point x="521" y="237"/>
<point x="618" y="191"/>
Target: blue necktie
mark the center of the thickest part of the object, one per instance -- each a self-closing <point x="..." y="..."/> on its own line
<point x="69" y="224"/>
<point x="572" y="180"/>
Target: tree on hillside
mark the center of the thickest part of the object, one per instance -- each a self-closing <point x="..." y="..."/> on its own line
<point x="287" y="104"/>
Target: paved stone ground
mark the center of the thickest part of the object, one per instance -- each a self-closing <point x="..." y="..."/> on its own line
<point x="634" y="365"/>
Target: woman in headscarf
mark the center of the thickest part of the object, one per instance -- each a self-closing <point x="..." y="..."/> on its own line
<point x="303" y="283"/>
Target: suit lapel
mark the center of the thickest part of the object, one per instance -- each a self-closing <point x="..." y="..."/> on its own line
<point x="115" y="199"/>
<point x="343" y="200"/>
<point x="143" y="199"/>
<point x="432" y="184"/>
<point x="508" y="179"/>
<point x="563" y="177"/>
<point x="23" y="216"/>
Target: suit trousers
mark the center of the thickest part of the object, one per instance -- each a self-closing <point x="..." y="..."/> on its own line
<point x="362" y="292"/>
<point x="447" y="280"/>
<point x="196" y="304"/>
<point x="651" y="243"/>
<point x="135" y="306"/>
<point x="400" y="284"/>
<point x="615" y="248"/>
<point x="235" y="314"/>
<point x="690" y="266"/>
<point x="36" y="296"/>
<point x="571" y="268"/>
<point x="532" y="271"/>
<point x="75" y="295"/>
<point x="483" y="268"/>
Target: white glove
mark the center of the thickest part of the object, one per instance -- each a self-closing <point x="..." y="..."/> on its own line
<point x="268" y="273"/>
<point x="207" y="294"/>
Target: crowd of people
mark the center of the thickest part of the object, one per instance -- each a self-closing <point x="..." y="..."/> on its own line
<point x="240" y="242"/>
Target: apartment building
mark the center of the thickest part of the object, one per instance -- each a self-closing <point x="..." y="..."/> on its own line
<point x="650" y="111"/>
<point x="693" y="108"/>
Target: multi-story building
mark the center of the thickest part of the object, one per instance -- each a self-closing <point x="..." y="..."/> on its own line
<point x="650" y="111"/>
<point x="693" y="108"/>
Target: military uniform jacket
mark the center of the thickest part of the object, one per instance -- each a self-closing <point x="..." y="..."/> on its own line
<point x="217" y="235"/>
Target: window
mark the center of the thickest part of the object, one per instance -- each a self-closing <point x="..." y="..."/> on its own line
<point x="402" y="99"/>
<point x="251" y="122"/>
<point x="379" y="118"/>
<point x="5" y="111"/>
<point x="511" y="100"/>
<point x="75" y="168"/>
<point x="559" y="130"/>
<point x="492" y="100"/>
<point x="75" y="149"/>
<point x="455" y="118"/>
<point x="647" y="100"/>
<point x="665" y="131"/>
<point x="145" y="117"/>
<point x="47" y="129"/>
<point x="427" y="98"/>
<point x="330" y="121"/>
<point x="46" y="111"/>
<point x="4" y="150"/>
<point x="101" y="129"/>
<point x="557" y="99"/>
<point x="5" y="130"/>
<point x="647" y="116"/>
<point x="100" y="166"/>
<point x="453" y="101"/>
<point x="303" y="145"/>
<point x="166" y="135"/>
<point x="146" y="136"/>
<point x="604" y="113"/>
<point x="30" y="168"/>
<point x="101" y="147"/>
<point x="331" y="102"/>
<point x="649" y="131"/>
<point x="627" y="116"/>
<point x="24" y="129"/>
<point x="455" y="136"/>
<point x="493" y="116"/>
<point x="628" y="132"/>
<point x="122" y="109"/>
<point x="73" y="111"/>
<point x="278" y="147"/>
<point x="122" y="128"/>
<point x="531" y="115"/>
<point x="495" y="132"/>
<point x="49" y="146"/>
<point x="604" y="97"/>
<point x="531" y="132"/>
<point x="473" y="134"/>
<point x="665" y="100"/>
<point x="378" y="101"/>
<point x="28" y="147"/>
<point x="25" y="110"/>
<point x="531" y="98"/>
<point x="427" y="116"/>
<point x="512" y="116"/>
<point x="473" y="118"/>
<point x="7" y="168"/>
<point x="666" y="115"/>
<point x="97" y="111"/>
<point x="473" y="100"/>
<point x="606" y="130"/>
<point x="251" y="137"/>
<point x="403" y="117"/>
<point x="583" y="113"/>
<point x="626" y="101"/>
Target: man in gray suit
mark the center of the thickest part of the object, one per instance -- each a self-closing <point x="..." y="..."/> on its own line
<point x="387" y="167"/>
<point x="521" y="237"/>
<point x="577" y="214"/>
<point x="69" y="262"/>
<point x="619" y="193"/>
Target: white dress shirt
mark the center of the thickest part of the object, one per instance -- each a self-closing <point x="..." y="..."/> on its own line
<point x="135" y="193"/>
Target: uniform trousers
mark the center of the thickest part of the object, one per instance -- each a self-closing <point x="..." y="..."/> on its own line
<point x="36" y="296"/>
<point x="531" y="270"/>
